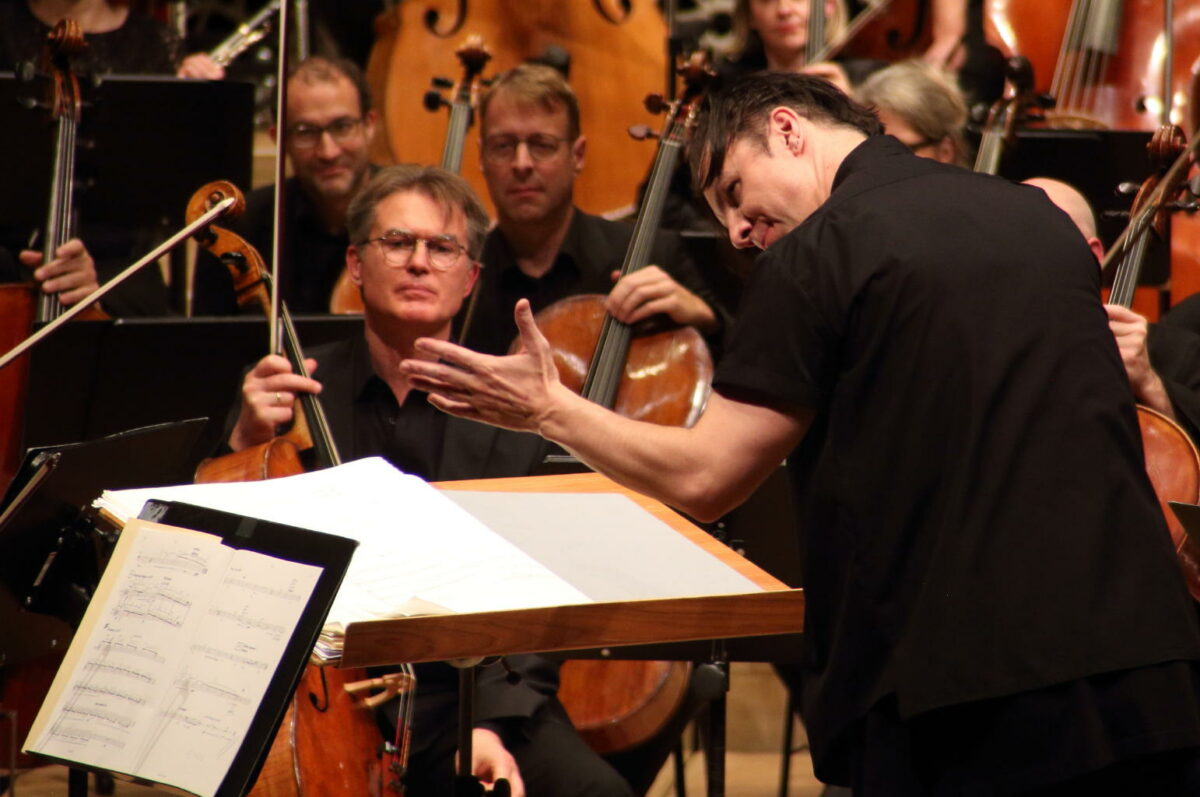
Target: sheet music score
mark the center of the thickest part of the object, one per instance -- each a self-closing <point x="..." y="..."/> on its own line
<point x="417" y="547"/>
<point x="173" y="657"/>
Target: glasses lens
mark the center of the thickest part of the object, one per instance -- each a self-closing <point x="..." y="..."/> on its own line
<point x="398" y="247"/>
<point x="305" y="135"/>
<point x="500" y="148"/>
<point x="442" y="251"/>
<point x="343" y="128"/>
<point x="542" y="147"/>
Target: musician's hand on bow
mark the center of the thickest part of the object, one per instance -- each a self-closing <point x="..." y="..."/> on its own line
<point x="268" y="395"/>
<point x="491" y="761"/>
<point x="651" y="290"/>
<point x="1130" y="330"/>
<point x="71" y="274"/>
<point x="201" y="67"/>
<point x="516" y="392"/>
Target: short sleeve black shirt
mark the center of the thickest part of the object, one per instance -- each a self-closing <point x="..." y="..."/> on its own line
<point x="977" y="517"/>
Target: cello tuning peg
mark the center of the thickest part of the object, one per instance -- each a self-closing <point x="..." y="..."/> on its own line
<point x="432" y="100"/>
<point x="655" y="103"/>
<point x="1125" y="189"/>
<point x="442" y="83"/>
<point x="641" y="132"/>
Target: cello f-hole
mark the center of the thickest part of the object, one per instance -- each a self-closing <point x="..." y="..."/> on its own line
<point x="321" y="704"/>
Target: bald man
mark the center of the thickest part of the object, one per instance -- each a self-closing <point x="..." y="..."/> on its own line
<point x="1162" y="361"/>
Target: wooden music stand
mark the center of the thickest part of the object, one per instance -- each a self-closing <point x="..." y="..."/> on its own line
<point x="775" y="609"/>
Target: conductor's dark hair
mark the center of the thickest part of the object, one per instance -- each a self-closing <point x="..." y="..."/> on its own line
<point x="739" y="110"/>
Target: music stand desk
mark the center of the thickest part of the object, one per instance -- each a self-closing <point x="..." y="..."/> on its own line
<point x="775" y="610"/>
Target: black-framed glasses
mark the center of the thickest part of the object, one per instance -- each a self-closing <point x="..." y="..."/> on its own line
<point x="503" y="149"/>
<point x="398" y="246"/>
<point x="308" y="136"/>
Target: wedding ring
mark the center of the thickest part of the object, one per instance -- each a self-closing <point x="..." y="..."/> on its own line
<point x="278" y="399"/>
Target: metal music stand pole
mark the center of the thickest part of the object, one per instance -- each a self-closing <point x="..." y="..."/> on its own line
<point x="465" y="783"/>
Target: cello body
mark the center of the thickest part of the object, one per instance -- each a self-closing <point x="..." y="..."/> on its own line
<point x="617" y="57"/>
<point x="327" y="743"/>
<point x="665" y="376"/>
<point x="1174" y="469"/>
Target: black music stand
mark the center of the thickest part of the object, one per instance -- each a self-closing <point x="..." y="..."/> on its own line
<point x="146" y="143"/>
<point x="94" y="378"/>
<point x="41" y="522"/>
<point x="52" y="558"/>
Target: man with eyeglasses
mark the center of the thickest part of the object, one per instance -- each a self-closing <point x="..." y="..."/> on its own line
<point x="416" y="233"/>
<point x="329" y="127"/>
<point x="543" y="247"/>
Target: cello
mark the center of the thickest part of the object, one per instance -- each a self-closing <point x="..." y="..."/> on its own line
<point x="23" y="683"/>
<point x="20" y="309"/>
<point x="1000" y="129"/>
<point x="1172" y="461"/>
<point x="662" y="377"/>
<point x="328" y="742"/>
<point x="474" y="56"/>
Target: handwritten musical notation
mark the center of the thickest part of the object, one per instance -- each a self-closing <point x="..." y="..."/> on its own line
<point x="173" y="657"/>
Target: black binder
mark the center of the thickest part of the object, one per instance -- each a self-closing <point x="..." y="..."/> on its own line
<point x="329" y="552"/>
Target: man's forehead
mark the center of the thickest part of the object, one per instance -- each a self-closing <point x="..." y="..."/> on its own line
<point x="315" y="99"/>
<point x="548" y="117"/>
<point x="415" y="211"/>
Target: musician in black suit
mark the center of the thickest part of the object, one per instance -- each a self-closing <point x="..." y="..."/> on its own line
<point x="416" y="232"/>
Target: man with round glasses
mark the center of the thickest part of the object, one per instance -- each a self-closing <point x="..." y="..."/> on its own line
<point x="543" y="247"/>
<point x="416" y="233"/>
<point x="328" y="130"/>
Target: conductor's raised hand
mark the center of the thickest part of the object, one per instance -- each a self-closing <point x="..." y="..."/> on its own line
<point x="517" y="391"/>
<point x="268" y="396"/>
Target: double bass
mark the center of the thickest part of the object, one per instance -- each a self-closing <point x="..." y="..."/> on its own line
<point x="328" y="744"/>
<point x="661" y="376"/>
<point x="474" y="56"/>
<point x="617" y="44"/>
<point x="22" y="305"/>
<point x="23" y="683"/>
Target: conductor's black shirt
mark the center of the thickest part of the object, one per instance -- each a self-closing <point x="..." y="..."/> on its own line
<point x="972" y="491"/>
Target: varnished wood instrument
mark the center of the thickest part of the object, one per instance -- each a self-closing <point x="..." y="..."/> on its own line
<point x="1018" y="105"/>
<point x="328" y="744"/>
<point x="617" y="44"/>
<point x="1172" y="461"/>
<point x="662" y="377"/>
